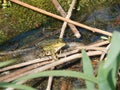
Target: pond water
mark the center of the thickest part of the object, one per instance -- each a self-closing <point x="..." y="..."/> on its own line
<point x="105" y="18"/>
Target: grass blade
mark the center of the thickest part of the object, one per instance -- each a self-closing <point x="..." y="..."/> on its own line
<point x="16" y="86"/>
<point x="2" y="64"/>
<point x="113" y="59"/>
<point x="108" y="71"/>
<point x="88" y="69"/>
<point x="65" y="73"/>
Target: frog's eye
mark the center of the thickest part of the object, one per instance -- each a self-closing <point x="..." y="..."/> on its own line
<point x="47" y="53"/>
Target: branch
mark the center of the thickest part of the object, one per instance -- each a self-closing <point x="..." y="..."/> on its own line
<point x="94" y="46"/>
<point x="48" y="66"/>
<point x="67" y="16"/>
<point x="61" y="18"/>
<point x="63" y="13"/>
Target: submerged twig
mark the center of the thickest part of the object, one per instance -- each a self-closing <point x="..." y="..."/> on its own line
<point x="104" y="52"/>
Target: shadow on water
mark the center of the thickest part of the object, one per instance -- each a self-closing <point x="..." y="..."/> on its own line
<point x="21" y="39"/>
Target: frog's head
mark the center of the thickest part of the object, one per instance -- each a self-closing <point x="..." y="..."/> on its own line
<point x="58" y="45"/>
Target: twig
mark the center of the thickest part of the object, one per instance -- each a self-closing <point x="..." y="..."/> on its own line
<point x="49" y="83"/>
<point x="16" y="51"/>
<point x="104" y="52"/>
<point x="67" y="16"/>
<point x="23" y="70"/>
<point x="61" y="18"/>
<point x="63" y="13"/>
<point x="50" y="80"/>
<point x="94" y="46"/>
<point x="100" y="43"/>
<point x="77" y="49"/>
<point x="48" y="66"/>
<point x="25" y="63"/>
<point x="91" y="48"/>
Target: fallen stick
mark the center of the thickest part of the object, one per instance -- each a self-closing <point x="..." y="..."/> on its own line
<point x="16" y="51"/>
<point x="44" y="59"/>
<point x="68" y="17"/>
<point x="61" y="18"/>
<point x="63" y="13"/>
<point x="25" y="64"/>
<point x="100" y="43"/>
<point x="95" y="46"/>
<point x="23" y="70"/>
<point x="104" y="52"/>
<point x="48" y="66"/>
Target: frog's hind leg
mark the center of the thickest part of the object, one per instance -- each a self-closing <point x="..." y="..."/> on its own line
<point x="54" y="56"/>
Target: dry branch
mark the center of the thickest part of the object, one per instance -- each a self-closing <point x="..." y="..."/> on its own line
<point x="48" y="58"/>
<point x="104" y="52"/>
<point x="63" y="13"/>
<point x="25" y="63"/>
<point x="23" y="70"/>
<point x="94" y="46"/>
<point x="68" y="17"/>
<point x="48" y="66"/>
<point x="61" y="18"/>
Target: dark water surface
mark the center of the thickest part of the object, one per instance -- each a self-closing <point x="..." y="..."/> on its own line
<point x="105" y="18"/>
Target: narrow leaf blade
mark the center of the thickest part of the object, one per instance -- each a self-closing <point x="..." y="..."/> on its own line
<point x="88" y="69"/>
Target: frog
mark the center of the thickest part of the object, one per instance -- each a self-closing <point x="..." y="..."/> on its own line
<point x="52" y="48"/>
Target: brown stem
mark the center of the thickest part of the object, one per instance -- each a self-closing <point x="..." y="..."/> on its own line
<point x="63" y="13"/>
<point x="61" y="18"/>
<point x="48" y="66"/>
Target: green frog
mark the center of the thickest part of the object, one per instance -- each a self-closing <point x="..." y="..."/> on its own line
<point x="53" y="48"/>
<point x="47" y="49"/>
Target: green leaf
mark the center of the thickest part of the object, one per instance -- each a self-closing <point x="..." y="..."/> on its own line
<point x="16" y="86"/>
<point x="65" y="73"/>
<point x="114" y="51"/>
<point x="107" y="75"/>
<point x="113" y="59"/>
<point x="88" y="70"/>
<point x="2" y="64"/>
<point x="102" y="80"/>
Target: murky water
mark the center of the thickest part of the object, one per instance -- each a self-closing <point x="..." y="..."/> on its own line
<point x="107" y="19"/>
